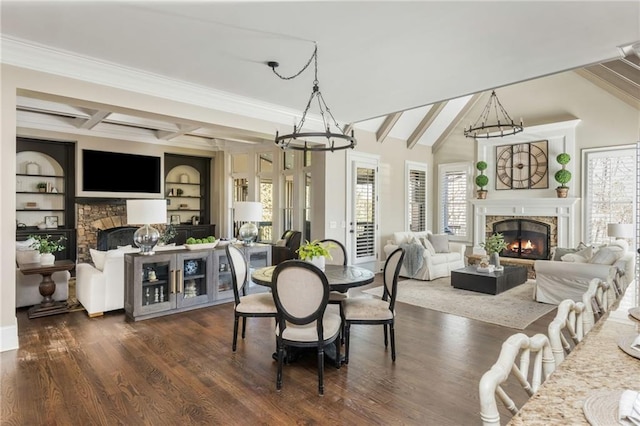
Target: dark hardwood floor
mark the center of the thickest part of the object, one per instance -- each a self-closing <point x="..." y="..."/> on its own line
<point x="179" y="369"/>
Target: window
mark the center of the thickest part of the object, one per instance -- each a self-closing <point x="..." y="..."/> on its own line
<point x="609" y="189"/>
<point x="306" y="230"/>
<point x="287" y="208"/>
<point x="416" y="184"/>
<point x="454" y="195"/>
<point x="266" y="198"/>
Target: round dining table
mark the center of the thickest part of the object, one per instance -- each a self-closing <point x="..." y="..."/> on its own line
<point x="341" y="278"/>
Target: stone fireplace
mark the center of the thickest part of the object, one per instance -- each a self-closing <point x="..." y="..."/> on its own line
<point x="558" y="214"/>
<point x="93" y="215"/>
<point x="526" y="238"/>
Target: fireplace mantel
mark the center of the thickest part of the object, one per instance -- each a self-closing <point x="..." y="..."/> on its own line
<point x="563" y="209"/>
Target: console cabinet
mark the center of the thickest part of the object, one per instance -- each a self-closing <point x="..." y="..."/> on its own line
<point x="179" y="280"/>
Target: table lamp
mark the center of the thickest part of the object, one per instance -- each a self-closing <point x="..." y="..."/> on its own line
<point x="146" y="212"/>
<point x="620" y="230"/>
<point x="248" y="212"/>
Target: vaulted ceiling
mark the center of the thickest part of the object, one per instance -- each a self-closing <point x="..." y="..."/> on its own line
<point x="406" y="70"/>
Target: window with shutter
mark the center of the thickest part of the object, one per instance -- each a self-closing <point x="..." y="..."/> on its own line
<point x="417" y="197"/>
<point x="453" y="199"/>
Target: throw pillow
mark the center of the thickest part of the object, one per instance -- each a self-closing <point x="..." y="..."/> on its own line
<point x="574" y="257"/>
<point x="587" y="253"/>
<point x="98" y="257"/>
<point x="560" y="252"/>
<point x="440" y="242"/>
<point x="607" y="255"/>
<point x="427" y="244"/>
<point x="621" y="243"/>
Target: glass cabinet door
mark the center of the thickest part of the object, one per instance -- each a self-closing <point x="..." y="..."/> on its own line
<point x="258" y="258"/>
<point x="157" y="289"/>
<point x="194" y="278"/>
<point x="225" y="282"/>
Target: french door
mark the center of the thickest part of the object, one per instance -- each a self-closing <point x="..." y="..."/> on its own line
<point x="362" y="209"/>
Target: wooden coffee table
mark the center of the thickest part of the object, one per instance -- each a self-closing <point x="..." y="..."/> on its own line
<point x="47" y="287"/>
<point x="488" y="282"/>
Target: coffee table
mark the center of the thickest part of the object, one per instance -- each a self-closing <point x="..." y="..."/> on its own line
<point x="488" y="282"/>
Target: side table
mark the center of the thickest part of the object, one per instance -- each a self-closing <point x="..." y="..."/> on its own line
<point x="47" y="287"/>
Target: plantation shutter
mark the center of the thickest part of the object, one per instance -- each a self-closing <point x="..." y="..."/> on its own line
<point x="365" y="208"/>
<point x="417" y="200"/>
<point x="454" y="202"/>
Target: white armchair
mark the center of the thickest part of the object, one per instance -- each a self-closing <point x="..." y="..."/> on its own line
<point x="434" y="265"/>
<point x="100" y="288"/>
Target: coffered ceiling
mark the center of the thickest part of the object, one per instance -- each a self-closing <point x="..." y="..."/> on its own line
<point x="401" y="69"/>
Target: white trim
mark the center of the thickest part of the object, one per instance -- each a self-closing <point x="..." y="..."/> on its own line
<point x="9" y="337"/>
<point x="423" y="167"/>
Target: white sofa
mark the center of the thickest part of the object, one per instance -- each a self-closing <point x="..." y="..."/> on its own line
<point x="28" y="286"/>
<point x="435" y="265"/>
<point x="558" y="280"/>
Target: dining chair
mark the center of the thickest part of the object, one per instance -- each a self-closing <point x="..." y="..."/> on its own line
<point x="373" y="311"/>
<point x="301" y="292"/>
<point x="338" y="257"/>
<point x="596" y="302"/>
<point x="246" y="305"/>
<point x="568" y="320"/>
<point x="515" y="358"/>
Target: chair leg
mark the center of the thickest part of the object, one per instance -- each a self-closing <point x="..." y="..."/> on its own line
<point x="321" y="370"/>
<point x="235" y="333"/>
<point x="393" y="342"/>
<point x="244" y="326"/>
<point x="347" y="330"/>
<point x="338" y="355"/>
<point x="386" y="340"/>
<point x="280" y="361"/>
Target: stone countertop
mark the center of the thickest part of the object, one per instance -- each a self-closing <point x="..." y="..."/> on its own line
<point x="597" y="363"/>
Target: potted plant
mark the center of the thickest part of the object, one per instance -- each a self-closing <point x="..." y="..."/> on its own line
<point x="47" y="246"/>
<point x="563" y="176"/>
<point x="167" y="235"/>
<point x="42" y="186"/>
<point x="482" y="180"/>
<point x="314" y="252"/>
<point x="494" y="245"/>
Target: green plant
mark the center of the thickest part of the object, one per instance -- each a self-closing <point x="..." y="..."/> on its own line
<point x="167" y="235"/>
<point x="563" y="177"/>
<point x="45" y="244"/>
<point x="494" y="244"/>
<point x="179" y="191"/>
<point x="563" y="158"/>
<point x="482" y="181"/>
<point x="481" y="165"/>
<point x="207" y="240"/>
<point x="41" y="185"/>
<point x="309" y="250"/>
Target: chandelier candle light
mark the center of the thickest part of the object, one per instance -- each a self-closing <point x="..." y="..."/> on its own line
<point x="248" y="212"/>
<point x="146" y="212"/>
<point x="328" y="140"/>
<point x="504" y="125"/>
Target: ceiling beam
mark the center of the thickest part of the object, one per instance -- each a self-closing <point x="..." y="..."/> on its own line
<point x="455" y="122"/>
<point x="95" y="119"/>
<point x="184" y="129"/>
<point x="428" y="119"/>
<point x="387" y="125"/>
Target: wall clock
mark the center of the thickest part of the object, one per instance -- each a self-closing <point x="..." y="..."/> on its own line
<point x="522" y="166"/>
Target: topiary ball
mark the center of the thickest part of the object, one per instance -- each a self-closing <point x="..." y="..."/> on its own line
<point x="482" y="180"/>
<point x="481" y="165"/>
<point x="563" y="158"/>
<point x="563" y="176"/>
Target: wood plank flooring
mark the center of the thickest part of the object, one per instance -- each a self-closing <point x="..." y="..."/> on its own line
<point x="179" y="369"/>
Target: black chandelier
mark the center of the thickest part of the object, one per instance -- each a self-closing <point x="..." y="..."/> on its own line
<point x="329" y="140"/>
<point x="504" y="126"/>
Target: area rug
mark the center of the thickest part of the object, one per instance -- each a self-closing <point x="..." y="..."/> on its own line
<point x="514" y="308"/>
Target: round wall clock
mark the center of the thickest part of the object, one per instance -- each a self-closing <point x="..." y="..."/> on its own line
<point x="522" y="166"/>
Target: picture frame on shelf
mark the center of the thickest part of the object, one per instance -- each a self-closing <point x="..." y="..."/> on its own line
<point x="175" y="219"/>
<point x="51" y="221"/>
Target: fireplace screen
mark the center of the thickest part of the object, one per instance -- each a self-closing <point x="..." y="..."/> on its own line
<point x="526" y="239"/>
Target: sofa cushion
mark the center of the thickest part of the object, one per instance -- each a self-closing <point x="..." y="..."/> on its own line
<point x="607" y="255"/>
<point x="98" y="257"/>
<point x="402" y="237"/>
<point x="427" y="245"/>
<point x="574" y="257"/>
<point x="440" y="242"/>
<point x="439" y="259"/>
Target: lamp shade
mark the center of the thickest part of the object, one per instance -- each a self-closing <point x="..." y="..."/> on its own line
<point x="141" y="212"/>
<point x="620" y="230"/>
<point x="247" y="211"/>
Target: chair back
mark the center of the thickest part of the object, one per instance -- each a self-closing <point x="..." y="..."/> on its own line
<point x="300" y="292"/>
<point x="239" y="270"/>
<point x="292" y="239"/>
<point x="568" y="320"/>
<point x="596" y="302"/>
<point x="515" y="357"/>
<point x="338" y="252"/>
<point x="391" y="271"/>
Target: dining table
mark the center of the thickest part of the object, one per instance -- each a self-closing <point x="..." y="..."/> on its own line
<point x="600" y="364"/>
<point x="341" y="277"/>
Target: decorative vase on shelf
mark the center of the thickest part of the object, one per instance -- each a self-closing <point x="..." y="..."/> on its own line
<point x="319" y="261"/>
<point x="494" y="260"/>
<point x="47" y="259"/>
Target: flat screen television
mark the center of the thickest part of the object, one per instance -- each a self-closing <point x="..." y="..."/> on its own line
<point x="118" y="172"/>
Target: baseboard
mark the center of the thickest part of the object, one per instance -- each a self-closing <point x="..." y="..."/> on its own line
<point x="9" y="337"/>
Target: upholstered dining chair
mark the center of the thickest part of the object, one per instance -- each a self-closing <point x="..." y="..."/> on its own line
<point x="246" y="305"/>
<point x="301" y="292"/>
<point x="338" y="257"/>
<point x="373" y="311"/>
<point x="596" y="302"/>
<point x="568" y="320"/>
<point x="515" y="358"/>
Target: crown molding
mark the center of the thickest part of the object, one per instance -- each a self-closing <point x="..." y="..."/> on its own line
<point x="24" y="54"/>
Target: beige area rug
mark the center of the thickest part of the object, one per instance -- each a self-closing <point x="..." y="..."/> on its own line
<point x="514" y="308"/>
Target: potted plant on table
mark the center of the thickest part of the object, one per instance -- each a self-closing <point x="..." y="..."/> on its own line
<point x="42" y="186"/>
<point x="315" y="252"/>
<point x="563" y="176"/>
<point x="46" y="245"/>
<point x="482" y="180"/>
<point x="494" y="245"/>
<point x="167" y="235"/>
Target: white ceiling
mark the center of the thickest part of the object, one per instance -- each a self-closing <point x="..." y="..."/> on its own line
<point x="375" y="58"/>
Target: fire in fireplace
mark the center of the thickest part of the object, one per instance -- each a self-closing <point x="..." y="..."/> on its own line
<point x="525" y="238"/>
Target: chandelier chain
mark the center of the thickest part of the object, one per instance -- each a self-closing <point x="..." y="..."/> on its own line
<point x="314" y="55"/>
